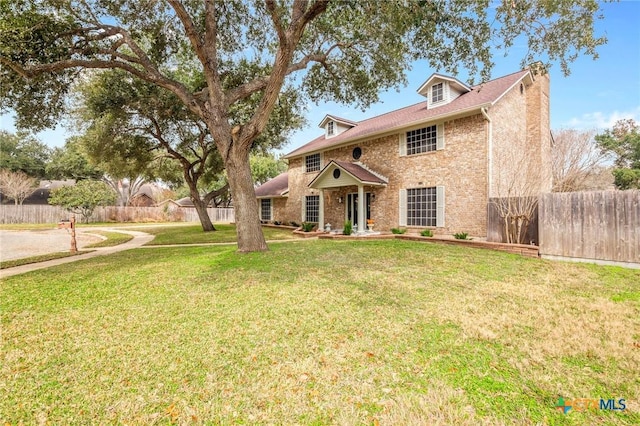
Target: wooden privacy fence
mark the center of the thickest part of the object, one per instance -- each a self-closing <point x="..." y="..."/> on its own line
<point x="496" y="232"/>
<point x="53" y="214"/>
<point x="601" y="225"/>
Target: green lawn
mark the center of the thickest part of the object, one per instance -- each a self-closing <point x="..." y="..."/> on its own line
<point x="112" y="239"/>
<point x="192" y="234"/>
<point x="40" y="258"/>
<point x="319" y="332"/>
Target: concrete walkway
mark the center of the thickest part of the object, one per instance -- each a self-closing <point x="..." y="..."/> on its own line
<point x="139" y="239"/>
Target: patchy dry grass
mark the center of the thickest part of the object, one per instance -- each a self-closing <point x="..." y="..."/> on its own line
<point x="319" y="332"/>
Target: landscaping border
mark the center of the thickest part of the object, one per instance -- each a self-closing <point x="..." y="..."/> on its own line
<point x="521" y="249"/>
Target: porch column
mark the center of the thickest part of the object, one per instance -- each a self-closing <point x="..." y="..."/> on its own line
<point x="321" y="211"/>
<point x="362" y="202"/>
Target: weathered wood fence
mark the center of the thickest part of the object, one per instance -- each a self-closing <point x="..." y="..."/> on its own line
<point x="598" y="225"/>
<point x="496" y="232"/>
<point x="601" y="225"/>
<point x="53" y="214"/>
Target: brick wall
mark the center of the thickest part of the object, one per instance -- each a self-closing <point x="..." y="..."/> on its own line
<point x="520" y="124"/>
<point x="521" y="151"/>
<point x="460" y="167"/>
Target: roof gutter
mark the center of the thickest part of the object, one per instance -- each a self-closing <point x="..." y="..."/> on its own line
<point x="490" y="151"/>
<point x="391" y="130"/>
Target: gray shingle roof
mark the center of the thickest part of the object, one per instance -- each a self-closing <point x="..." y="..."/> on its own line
<point x="276" y="187"/>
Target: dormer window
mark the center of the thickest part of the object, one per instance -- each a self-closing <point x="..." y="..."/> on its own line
<point x="437" y="93"/>
<point x="441" y="89"/>
<point x="334" y="126"/>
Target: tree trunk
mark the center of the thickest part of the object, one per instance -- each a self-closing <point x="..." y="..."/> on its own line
<point x="248" y="228"/>
<point x="203" y="215"/>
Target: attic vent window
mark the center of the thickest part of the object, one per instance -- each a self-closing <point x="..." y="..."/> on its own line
<point x="357" y="153"/>
<point x="330" y="128"/>
<point x="437" y="93"/>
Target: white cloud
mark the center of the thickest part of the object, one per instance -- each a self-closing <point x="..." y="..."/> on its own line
<point x="601" y="120"/>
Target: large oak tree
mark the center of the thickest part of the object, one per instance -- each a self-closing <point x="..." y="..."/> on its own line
<point x="333" y="50"/>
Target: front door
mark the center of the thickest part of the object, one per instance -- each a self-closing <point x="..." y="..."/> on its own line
<point x="352" y="208"/>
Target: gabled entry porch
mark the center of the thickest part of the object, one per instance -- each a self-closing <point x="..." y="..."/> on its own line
<point x="352" y="185"/>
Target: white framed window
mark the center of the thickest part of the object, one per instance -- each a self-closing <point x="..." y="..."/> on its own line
<point x="312" y="162"/>
<point x="330" y="128"/>
<point x="437" y="93"/>
<point x="422" y="207"/>
<point x="265" y="209"/>
<point x="312" y="208"/>
<point x="422" y="140"/>
<point x="425" y="139"/>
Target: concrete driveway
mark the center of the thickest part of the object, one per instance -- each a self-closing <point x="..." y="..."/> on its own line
<point x="19" y="244"/>
<point x="49" y="241"/>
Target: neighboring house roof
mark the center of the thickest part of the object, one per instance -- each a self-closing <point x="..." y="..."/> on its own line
<point x="148" y="189"/>
<point x="55" y="184"/>
<point x="358" y="172"/>
<point x="276" y="187"/>
<point x="185" y="202"/>
<point x="172" y="202"/>
<point x="41" y="195"/>
<point x="483" y="95"/>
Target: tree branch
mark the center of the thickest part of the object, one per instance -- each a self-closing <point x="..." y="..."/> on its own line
<point x="260" y="83"/>
<point x="277" y="22"/>
<point x="190" y="29"/>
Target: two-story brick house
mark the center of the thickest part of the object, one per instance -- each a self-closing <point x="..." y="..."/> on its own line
<point x="429" y="165"/>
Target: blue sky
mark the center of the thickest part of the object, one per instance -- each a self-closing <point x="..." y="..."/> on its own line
<point x="595" y="95"/>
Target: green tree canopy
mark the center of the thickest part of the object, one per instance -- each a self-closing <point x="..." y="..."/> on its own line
<point x="246" y="53"/>
<point x="83" y="198"/>
<point x="265" y="167"/>
<point x="71" y="162"/>
<point x="132" y="124"/>
<point x="623" y="143"/>
<point x="20" y="152"/>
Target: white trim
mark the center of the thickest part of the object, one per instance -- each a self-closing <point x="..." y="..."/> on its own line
<point x="402" y="144"/>
<point x="331" y="129"/>
<point x="337" y="120"/>
<point x="319" y="163"/>
<point x="440" y="206"/>
<point x="511" y="87"/>
<point x="439" y="136"/>
<point x="490" y="152"/>
<point x="321" y="210"/>
<point x="402" y="207"/>
<point x="446" y="78"/>
<point x="270" y="208"/>
<point x="394" y="130"/>
<point x="362" y="206"/>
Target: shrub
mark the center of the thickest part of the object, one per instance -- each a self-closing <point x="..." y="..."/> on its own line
<point x="294" y="224"/>
<point x="398" y="230"/>
<point x="348" y="228"/>
<point x="427" y="233"/>
<point x="308" y="226"/>
<point x="277" y="222"/>
<point x="461" y="236"/>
